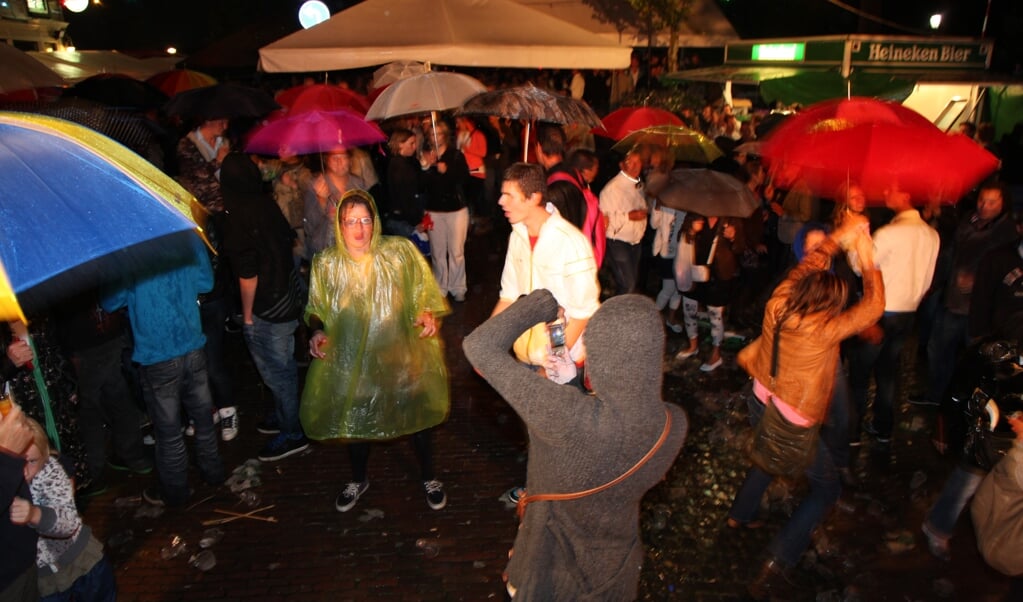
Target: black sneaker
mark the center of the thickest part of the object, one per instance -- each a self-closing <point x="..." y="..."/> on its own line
<point x="349" y="495"/>
<point x="96" y="487"/>
<point x="435" y="495"/>
<point x="873" y="432"/>
<point x="138" y="467"/>
<point x="153" y="496"/>
<point x="282" y="446"/>
<point x="268" y="427"/>
<point x="922" y="400"/>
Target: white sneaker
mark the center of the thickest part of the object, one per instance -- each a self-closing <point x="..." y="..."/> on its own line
<point x="228" y="423"/>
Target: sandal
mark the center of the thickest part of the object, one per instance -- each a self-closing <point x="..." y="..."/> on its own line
<point x="734" y="524"/>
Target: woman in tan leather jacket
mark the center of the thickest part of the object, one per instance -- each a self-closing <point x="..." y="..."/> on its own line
<point x="793" y="365"/>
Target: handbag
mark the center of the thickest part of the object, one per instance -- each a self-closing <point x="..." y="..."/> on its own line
<point x="779" y="447"/>
<point x="701" y="273"/>
<point x="997" y="512"/>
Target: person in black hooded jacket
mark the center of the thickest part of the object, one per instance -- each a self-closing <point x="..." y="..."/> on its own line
<point x="258" y="242"/>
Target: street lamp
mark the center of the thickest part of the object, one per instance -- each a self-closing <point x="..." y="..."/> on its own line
<point x="935" y="21"/>
<point x="312" y="13"/>
<point x="172" y="50"/>
<point x="76" y="6"/>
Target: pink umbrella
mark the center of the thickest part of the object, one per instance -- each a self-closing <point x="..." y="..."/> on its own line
<point x="313" y="132"/>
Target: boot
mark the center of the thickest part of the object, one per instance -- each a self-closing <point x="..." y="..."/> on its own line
<point x="771" y="582"/>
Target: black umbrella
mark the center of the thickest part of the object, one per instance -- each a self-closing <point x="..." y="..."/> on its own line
<point x="117" y="90"/>
<point x="127" y="127"/>
<point x="222" y="101"/>
<point x="533" y="104"/>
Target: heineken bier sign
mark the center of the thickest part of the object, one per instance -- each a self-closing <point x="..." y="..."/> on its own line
<point x="920" y="54"/>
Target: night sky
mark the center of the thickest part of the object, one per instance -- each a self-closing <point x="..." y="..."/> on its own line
<point x="140" y="25"/>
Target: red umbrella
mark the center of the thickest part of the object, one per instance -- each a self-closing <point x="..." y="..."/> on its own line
<point x="322" y="97"/>
<point x="877" y="145"/>
<point x="622" y="122"/>
<point x="313" y="132"/>
<point x="178" y="80"/>
<point x="840" y="114"/>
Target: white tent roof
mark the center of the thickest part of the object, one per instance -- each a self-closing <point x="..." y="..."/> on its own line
<point x="473" y="33"/>
<point x="74" y="66"/>
<point x="705" y="26"/>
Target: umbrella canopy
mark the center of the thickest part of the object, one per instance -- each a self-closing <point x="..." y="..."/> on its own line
<point x="709" y="193"/>
<point x="621" y="122"/>
<point x="116" y="90"/>
<point x="313" y="132"/>
<point x="321" y="97"/>
<point x="474" y="33"/>
<point x="393" y="71"/>
<point x="221" y="101"/>
<point x="129" y="128"/>
<point x="532" y="104"/>
<point x="839" y="113"/>
<point x="77" y="209"/>
<point x="176" y="81"/>
<point x="877" y="145"/>
<point x="431" y="91"/>
<point x="685" y="144"/>
<point x="22" y="72"/>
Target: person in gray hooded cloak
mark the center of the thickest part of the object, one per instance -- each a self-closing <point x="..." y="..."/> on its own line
<point x="587" y="548"/>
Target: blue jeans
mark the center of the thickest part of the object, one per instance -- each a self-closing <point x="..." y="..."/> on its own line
<point x="793" y="539"/>
<point x="97" y="585"/>
<point x="105" y="401"/>
<point x="883" y="362"/>
<point x="623" y="261"/>
<point x="958" y="489"/>
<point x="835" y="431"/>
<point x="166" y="387"/>
<point x="272" y="345"/>
<point x="947" y="339"/>
<point x="213" y="313"/>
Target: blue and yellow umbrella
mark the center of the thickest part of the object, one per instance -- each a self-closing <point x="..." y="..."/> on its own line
<point x="78" y="209"/>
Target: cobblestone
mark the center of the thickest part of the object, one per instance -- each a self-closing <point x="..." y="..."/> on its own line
<point x="313" y="552"/>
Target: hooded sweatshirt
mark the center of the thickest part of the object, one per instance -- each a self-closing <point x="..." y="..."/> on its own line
<point x="588" y="548"/>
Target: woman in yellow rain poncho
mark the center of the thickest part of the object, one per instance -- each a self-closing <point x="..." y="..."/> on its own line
<point x="378" y="369"/>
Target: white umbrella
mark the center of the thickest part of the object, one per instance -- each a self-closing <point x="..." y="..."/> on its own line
<point x="430" y="91"/>
<point x="22" y="72"/>
<point x="392" y="72"/>
<point x="427" y="92"/>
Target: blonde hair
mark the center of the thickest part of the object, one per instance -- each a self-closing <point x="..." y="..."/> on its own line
<point x="39" y="437"/>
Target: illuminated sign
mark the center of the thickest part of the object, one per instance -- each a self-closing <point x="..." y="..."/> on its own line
<point x="779" y="52"/>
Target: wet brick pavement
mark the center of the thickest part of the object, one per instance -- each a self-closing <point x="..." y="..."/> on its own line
<point x="391" y="546"/>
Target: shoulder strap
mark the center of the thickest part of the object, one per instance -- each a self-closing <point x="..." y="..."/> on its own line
<point x="561" y="176"/>
<point x="551" y="497"/>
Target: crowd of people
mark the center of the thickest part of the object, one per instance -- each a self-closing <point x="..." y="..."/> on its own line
<point x="320" y="260"/>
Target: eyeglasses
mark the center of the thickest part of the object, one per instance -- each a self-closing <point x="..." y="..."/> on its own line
<point x="355" y="221"/>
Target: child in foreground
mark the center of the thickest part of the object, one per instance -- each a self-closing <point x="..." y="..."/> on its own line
<point x="70" y="560"/>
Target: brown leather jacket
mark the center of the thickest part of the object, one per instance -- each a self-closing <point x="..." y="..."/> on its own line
<point x="808" y="349"/>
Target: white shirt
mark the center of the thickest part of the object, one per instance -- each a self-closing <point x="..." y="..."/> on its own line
<point x="906" y="250"/>
<point x="561" y="262"/>
<point x="620" y="196"/>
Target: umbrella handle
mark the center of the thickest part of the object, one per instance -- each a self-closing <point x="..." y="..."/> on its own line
<point x="433" y="122"/>
<point x="525" y="143"/>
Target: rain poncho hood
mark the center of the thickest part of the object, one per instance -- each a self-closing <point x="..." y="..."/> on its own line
<point x="379" y="379"/>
